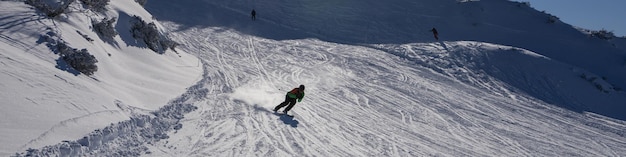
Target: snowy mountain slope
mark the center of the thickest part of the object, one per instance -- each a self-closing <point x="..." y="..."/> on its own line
<point x="358" y="104"/>
<point x="620" y="43"/>
<point x="380" y="98"/>
<point x="402" y="22"/>
<point x="43" y="105"/>
<point x="521" y="71"/>
<point x="365" y="102"/>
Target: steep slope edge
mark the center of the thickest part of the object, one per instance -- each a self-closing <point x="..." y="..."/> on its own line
<point x="43" y="103"/>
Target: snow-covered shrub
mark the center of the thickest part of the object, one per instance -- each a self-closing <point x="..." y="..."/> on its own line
<point x="142" y="2"/>
<point x="603" y="34"/>
<point x="96" y="5"/>
<point x="149" y="34"/>
<point x="52" y="8"/>
<point x="553" y="19"/>
<point x="63" y="49"/>
<point x="168" y="43"/>
<point x="105" y="28"/>
<point x="82" y="61"/>
<point x="523" y="4"/>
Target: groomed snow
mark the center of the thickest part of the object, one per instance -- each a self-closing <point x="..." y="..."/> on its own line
<point x="430" y="100"/>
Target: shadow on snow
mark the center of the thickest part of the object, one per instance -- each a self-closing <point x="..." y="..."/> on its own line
<point x="297" y="20"/>
<point x="286" y="119"/>
<point x="363" y="24"/>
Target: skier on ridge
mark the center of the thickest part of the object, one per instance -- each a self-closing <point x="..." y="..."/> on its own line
<point x="253" y="13"/>
<point x="435" y="33"/>
<point x="290" y="99"/>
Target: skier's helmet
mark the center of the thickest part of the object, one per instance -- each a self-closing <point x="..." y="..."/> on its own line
<point x="301" y="87"/>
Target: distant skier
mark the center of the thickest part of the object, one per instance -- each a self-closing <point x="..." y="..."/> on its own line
<point x="253" y="13"/>
<point x="290" y="99"/>
<point x="435" y="33"/>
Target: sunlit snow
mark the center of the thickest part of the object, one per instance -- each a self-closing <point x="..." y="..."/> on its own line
<point x="501" y="81"/>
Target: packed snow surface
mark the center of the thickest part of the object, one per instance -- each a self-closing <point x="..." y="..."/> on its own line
<point x="500" y="82"/>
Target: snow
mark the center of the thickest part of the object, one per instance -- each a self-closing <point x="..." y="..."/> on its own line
<point x="502" y="82"/>
<point x="43" y="105"/>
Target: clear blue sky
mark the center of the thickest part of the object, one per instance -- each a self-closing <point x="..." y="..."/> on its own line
<point x="591" y="14"/>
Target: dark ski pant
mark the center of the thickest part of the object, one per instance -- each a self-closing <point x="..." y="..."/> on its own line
<point x="288" y="101"/>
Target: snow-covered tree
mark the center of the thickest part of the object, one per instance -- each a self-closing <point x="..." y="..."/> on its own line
<point x="553" y="19"/>
<point x="82" y="61"/>
<point x="52" y="8"/>
<point x="79" y="60"/>
<point x="142" y="2"/>
<point x="105" y="28"/>
<point x="96" y="5"/>
<point x="149" y="34"/>
<point x="603" y="34"/>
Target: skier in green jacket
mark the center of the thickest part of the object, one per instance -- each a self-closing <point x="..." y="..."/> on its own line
<point x="290" y="99"/>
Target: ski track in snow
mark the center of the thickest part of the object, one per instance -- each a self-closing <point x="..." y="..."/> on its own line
<point x="71" y="121"/>
<point x="422" y="99"/>
<point x="340" y="115"/>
